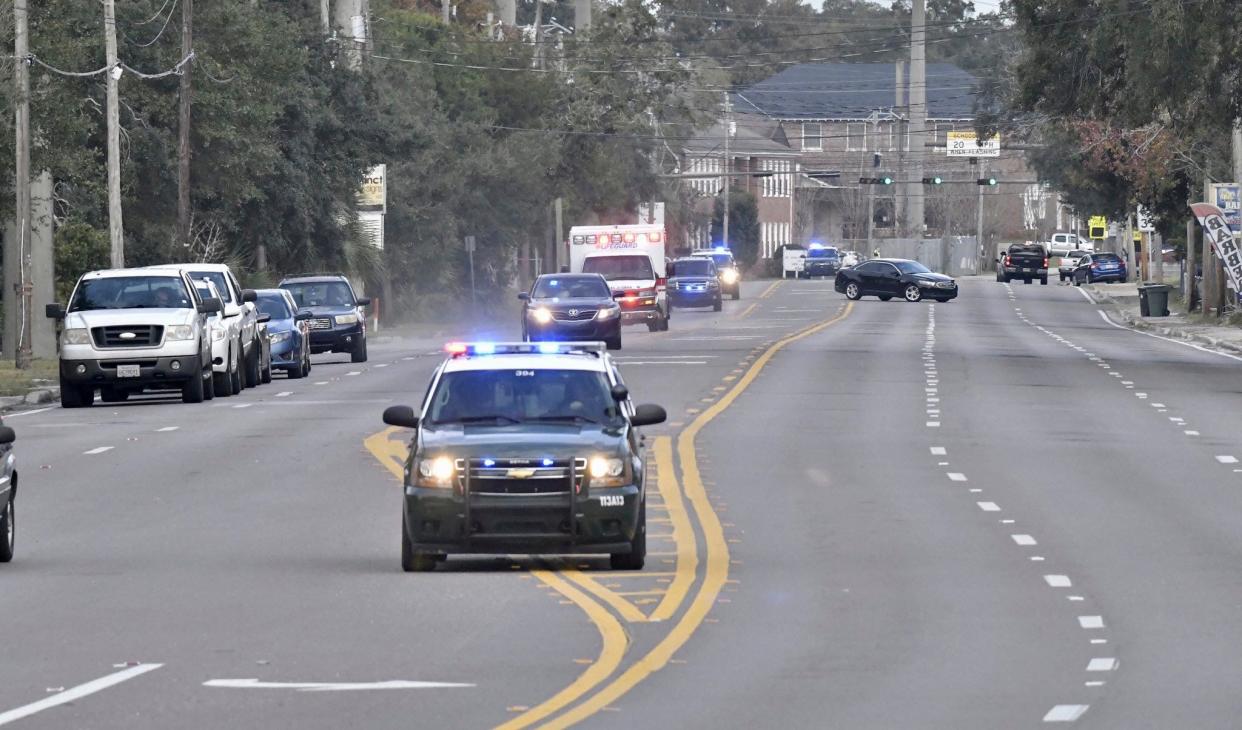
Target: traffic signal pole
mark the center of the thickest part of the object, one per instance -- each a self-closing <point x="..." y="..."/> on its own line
<point x="979" y="213"/>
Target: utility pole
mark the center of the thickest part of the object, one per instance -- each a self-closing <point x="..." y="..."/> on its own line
<point x="582" y="15"/>
<point x="446" y="11"/>
<point x="728" y="168"/>
<point x="116" y="230"/>
<point x="983" y="173"/>
<point x="1191" y="260"/>
<point x="507" y="10"/>
<point x="1207" y="293"/>
<point x="918" y="115"/>
<point x="183" y="126"/>
<point x="21" y="65"/>
<point x="902" y="131"/>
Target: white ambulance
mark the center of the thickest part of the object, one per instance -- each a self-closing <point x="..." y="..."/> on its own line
<point x="632" y="259"/>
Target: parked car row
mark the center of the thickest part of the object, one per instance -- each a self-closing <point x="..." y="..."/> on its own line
<point x="192" y="328"/>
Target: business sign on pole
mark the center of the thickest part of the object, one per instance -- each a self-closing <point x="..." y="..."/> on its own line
<point x="1097" y="227"/>
<point x="373" y="195"/>
<point x="968" y="144"/>
<point x="1228" y="197"/>
<point x="1145" y="222"/>
<point x="1224" y="244"/>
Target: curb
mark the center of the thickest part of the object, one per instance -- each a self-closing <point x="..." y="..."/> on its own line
<point x="1137" y="322"/>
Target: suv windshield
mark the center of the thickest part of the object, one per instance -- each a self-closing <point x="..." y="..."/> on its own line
<point x="824" y="253"/>
<point x="131" y="292"/>
<point x="321" y="294"/>
<point x="693" y="268"/>
<point x="911" y="267"/>
<point x="578" y="287"/>
<point x="619" y="267"/>
<point x="273" y="306"/>
<point x="218" y="278"/>
<point x="518" y="395"/>
<point x="723" y="260"/>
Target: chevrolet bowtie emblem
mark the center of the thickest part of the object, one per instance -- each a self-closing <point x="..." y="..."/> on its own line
<point x="521" y="473"/>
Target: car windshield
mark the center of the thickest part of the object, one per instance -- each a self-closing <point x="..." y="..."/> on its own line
<point x="692" y="268"/>
<point x="321" y="294"/>
<point x="273" y="306"/>
<point x="577" y="287"/>
<point x="522" y="395"/>
<point x="723" y="260"/>
<point x="218" y="278"/>
<point x="131" y="292"/>
<point x="619" y="267"/>
<point x="911" y="267"/>
<point x="823" y="253"/>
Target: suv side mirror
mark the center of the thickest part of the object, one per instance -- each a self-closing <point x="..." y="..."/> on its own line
<point x="524" y="296"/>
<point x="648" y="415"/>
<point x="265" y="318"/>
<point x="249" y="295"/>
<point x="620" y="393"/>
<point x="55" y="311"/>
<point x="363" y="301"/>
<point x="303" y="316"/>
<point x="210" y="305"/>
<point x="400" y="416"/>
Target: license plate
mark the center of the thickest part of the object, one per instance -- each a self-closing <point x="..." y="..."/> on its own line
<point x="129" y="371"/>
<point x="1028" y="269"/>
<point x="611" y="500"/>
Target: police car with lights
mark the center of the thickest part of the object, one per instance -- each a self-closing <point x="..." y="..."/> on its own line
<point x="525" y="448"/>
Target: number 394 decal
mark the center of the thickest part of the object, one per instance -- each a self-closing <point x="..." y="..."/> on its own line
<point x="611" y="500"/>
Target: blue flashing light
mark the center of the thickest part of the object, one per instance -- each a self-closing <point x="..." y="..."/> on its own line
<point x="816" y="244"/>
<point x="553" y="282"/>
<point x="489" y="462"/>
<point x="547" y="462"/>
<point x="722" y="249"/>
<point x="549" y="348"/>
<point x="485" y="348"/>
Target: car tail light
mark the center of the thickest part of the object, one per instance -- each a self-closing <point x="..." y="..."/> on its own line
<point x="1045" y="262"/>
<point x="661" y="283"/>
<point x="1008" y="260"/>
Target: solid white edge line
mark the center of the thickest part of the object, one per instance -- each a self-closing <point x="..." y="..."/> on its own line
<point x="1200" y="348"/>
<point x="28" y="413"/>
<point x="76" y="693"/>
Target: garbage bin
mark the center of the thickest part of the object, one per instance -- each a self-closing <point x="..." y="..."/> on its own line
<point x="1154" y="300"/>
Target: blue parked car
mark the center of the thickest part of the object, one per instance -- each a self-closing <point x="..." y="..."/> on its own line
<point x="287" y="331"/>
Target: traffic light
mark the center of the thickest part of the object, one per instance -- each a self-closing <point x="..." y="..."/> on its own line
<point x="989" y="181"/>
<point x="933" y="180"/>
<point x="875" y="180"/>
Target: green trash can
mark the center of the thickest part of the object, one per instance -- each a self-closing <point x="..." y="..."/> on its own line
<point x="1154" y="300"/>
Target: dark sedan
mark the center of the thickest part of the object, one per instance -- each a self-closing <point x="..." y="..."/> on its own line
<point x="888" y="278"/>
<point x="1100" y="267"/>
<point x="573" y="308"/>
<point x="694" y="282"/>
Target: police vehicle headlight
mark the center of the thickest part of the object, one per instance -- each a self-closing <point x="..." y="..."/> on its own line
<point x="541" y="315"/>
<point x="729" y="276"/>
<point x="606" y="312"/>
<point x="76" y="337"/>
<point x="607" y="472"/>
<point x="347" y="319"/>
<point x="179" y="332"/>
<point x="437" y="472"/>
<point x="279" y="337"/>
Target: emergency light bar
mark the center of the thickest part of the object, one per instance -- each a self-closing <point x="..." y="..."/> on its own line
<point x="476" y="349"/>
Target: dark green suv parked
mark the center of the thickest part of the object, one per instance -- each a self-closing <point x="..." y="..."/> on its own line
<point x="525" y="448"/>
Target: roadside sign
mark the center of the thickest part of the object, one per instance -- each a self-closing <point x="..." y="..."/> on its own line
<point x="967" y="144"/>
<point x="1224" y="243"/>
<point x="1228" y="197"/>
<point x="1145" y="222"/>
<point x="1097" y="227"/>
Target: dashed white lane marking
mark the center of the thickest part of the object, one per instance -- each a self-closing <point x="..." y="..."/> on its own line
<point x="382" y="365"/>
<point x="1066" y="713"/>
<point x="1075" y="598"/>
<point x="1191" y="433"/>
<point x="284" y="394"/>
<point x="1227" y="459"/>
<point x="322" y="382"/>
<point x="167" y="429"/>
<point x="1158" y="405"/>
<point x="988" y="506"/>
<point x="97" y="450"/>
<point x="1127" y="382"/>
<point x="1037" y="558"/>
<point x="956" y="476"/>
<point x="1058" y="581"/>
<point x="1099" y="641"/>
<point x="942" y="463"/>
<point x="1095" y="683"/>
<point x="243" y="405"/>
<point x="1091" y="622"/>
<point x="76" y="693"/>
<point x="354" y="372"/>
<point x="933" y="424"/>
<point x="1024" y="539"/>
<point x="1102" y="664"/>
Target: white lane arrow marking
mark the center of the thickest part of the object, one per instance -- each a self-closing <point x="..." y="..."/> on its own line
<point x="331" y="686"/>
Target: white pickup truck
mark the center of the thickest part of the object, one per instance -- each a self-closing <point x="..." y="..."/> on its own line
<point x="130" y="330"/>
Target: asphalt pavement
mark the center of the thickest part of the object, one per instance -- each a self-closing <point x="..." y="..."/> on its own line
<point x="1003" y="511"/>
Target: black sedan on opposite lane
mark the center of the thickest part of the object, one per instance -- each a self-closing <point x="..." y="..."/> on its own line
<point x="571" y="308"/>
<point x="888" y="278"/>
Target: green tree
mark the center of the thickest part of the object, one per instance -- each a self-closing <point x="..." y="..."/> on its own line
<point x="743" y="226"/>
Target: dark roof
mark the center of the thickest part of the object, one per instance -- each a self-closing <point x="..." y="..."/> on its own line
<point x="753" y="135"/>
<point x="853" y="91"/>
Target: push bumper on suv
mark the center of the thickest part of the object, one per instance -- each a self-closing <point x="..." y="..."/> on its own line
<point x="334" y="338"/>
<point x="694" y="298"/>
<point x="151" y="371"/>
<point x="596" y="521"/>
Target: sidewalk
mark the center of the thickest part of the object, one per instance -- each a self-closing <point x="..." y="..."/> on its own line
<point x="1122" y="301"/>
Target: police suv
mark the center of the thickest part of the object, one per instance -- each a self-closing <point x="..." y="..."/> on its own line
<point x="525" y="448"/>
